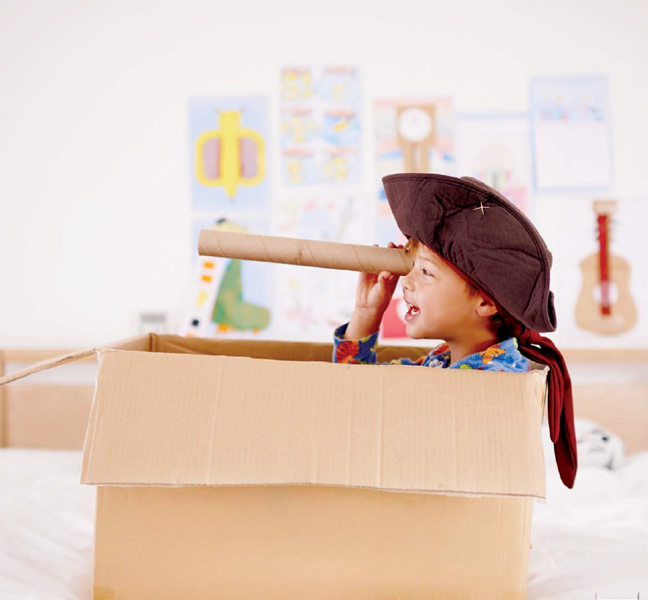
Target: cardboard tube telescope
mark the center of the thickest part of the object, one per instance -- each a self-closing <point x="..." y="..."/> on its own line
<point x="308" y="253"/>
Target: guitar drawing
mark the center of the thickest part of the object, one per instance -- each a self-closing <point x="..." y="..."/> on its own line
<point x="605" y="305"/>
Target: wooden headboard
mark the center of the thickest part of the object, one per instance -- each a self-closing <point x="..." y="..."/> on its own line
<point x="50" y="410"/>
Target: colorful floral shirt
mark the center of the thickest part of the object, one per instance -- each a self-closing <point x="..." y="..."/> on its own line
<point x="504" y="356"/>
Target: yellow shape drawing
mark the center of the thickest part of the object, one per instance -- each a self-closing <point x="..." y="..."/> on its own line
<point x="336" y="169"/>
<point x="229" y="135"/>
<point x="202" y="298"/>
<point x="341" y="126"/>
<point x="294" y="171"/>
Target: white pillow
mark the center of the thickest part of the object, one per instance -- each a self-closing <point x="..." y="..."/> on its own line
<point x="596" y="446"/>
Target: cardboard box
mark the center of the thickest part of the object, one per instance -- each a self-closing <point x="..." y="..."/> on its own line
<point x="261" y="470"/>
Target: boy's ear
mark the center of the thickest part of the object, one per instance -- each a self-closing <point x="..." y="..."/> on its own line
<point x="484" y="307"/>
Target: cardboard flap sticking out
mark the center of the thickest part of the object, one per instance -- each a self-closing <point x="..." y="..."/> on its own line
<point x="46" y="364"/>
<point x="141" y="342"/>
<point x="176" y="420"/>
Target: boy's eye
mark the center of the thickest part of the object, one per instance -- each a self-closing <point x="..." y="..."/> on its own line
<point x="426" y="272"/>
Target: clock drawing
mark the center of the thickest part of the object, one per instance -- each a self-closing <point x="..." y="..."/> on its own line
<point x="416" y="135"/>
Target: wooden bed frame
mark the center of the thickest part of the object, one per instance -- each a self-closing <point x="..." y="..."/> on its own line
<point x="45" y="414"/>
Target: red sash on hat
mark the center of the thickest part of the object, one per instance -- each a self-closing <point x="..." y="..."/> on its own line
<point x="560" y="411"/>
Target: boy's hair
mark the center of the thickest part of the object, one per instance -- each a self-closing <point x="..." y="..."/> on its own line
<point x="496" y="323"/>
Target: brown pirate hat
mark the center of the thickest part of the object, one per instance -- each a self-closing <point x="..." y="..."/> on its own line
<point x="495" y="246"/>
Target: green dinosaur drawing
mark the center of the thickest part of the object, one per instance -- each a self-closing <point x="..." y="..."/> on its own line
<point x="230" y="310"/>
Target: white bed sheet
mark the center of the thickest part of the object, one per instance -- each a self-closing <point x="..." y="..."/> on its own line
<point x="591" y="540"/>
<point x="586" y="541"/>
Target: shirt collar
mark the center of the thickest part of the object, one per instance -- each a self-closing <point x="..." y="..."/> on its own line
<point x="507" y="348"/>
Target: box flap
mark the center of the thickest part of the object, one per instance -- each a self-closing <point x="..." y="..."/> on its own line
<point x="273" y="349"/>
<point x="141" y="342"/>
<point x="177" y="420"/>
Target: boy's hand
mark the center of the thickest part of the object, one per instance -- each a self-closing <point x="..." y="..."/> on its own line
<point x="374" y="292"/>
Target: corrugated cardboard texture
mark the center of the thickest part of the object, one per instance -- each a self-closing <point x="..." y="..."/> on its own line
<point x="308" y="543"/>
<point x="172" y="419"/>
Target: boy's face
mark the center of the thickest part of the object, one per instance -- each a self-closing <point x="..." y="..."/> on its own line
<point x="438" y="300"/>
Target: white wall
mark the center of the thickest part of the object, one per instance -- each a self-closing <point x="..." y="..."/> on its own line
<point x="94" y="160"/>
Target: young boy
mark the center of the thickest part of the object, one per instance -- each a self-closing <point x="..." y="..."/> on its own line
<point x="441" y="305"/>
<point x="480" y="281"/>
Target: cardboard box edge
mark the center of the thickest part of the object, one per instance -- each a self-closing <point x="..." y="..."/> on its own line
<point x="63" y="359"/>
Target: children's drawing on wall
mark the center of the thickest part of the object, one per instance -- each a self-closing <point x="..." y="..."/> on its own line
<point x="414" y="136"/>
<point x="320" y="125"/>
<point x="331" y="218"/>
<point x="309" y="302"/>
<point x="228" y="297"/>
<point x="605" y="304"/>
<point x="571" y="133"/>
<point x="599" y="270"/>
<point x="496" y="149"/>
<point x="229" y="153"/>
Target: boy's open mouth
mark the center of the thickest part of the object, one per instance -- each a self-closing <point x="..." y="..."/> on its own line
<point x="412" y="311"/>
